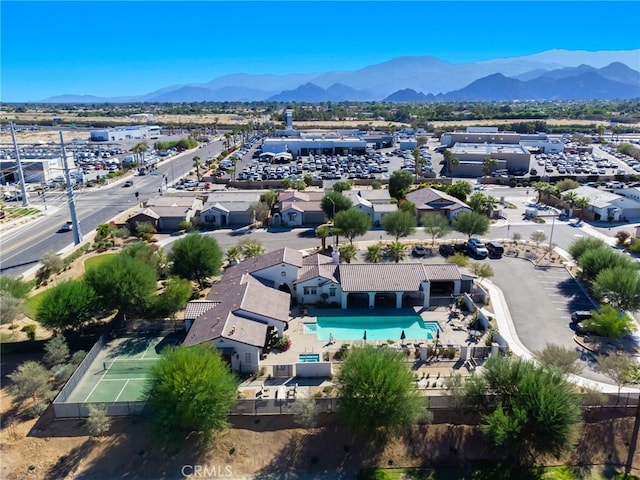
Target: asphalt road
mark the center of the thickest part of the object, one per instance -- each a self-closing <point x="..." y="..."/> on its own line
<point x="23" y="247"/>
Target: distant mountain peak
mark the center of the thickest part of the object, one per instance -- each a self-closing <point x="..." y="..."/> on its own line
<point x="546" y="74"/>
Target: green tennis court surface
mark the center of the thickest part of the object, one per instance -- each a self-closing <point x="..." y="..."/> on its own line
<point x="120" y="371"/>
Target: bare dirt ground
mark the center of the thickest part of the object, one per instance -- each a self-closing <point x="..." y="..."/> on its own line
<point x="269" y="447"/>
<point x="211" y="120"/>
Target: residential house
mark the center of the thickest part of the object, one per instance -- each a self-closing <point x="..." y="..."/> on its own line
<point x="323" y="280"/>
<point x="247" y="310"/>
<point x="429" y="201"/>
<point x="608" y="206"/>
<point x="229" y="208"/>
<point x="166" y="212"/>
<point x="296" y="209"/>
<point x="375" y="203"/>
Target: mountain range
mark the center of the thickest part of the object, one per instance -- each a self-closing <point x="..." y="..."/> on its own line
<point x="551" y="75"/>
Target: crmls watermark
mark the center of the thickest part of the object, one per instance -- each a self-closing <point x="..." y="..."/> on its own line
<point x="206" y="471"/>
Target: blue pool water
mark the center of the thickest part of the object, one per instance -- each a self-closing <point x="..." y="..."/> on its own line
<point x="377" y="328"/>
<point x="309" y="357"/>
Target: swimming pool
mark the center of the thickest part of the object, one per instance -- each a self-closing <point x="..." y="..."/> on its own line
<point x="377" y="328"/>
<point x="309" y="357"/>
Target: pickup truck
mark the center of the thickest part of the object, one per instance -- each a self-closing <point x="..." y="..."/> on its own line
<point x="477" y="248"/>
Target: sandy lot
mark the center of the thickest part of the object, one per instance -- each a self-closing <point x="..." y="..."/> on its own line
<point x="211" y="120"/>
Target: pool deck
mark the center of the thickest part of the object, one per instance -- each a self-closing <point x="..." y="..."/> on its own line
<point x="453" y="333"/>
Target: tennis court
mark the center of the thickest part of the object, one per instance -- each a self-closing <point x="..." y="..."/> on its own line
<point x="120" y="370"/>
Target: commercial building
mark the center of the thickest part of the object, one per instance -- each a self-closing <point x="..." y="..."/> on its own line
<point x="511" y="150"/>
<point x="123" y="133"/>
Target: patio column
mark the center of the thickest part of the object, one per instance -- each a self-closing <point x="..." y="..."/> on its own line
<point x="372" y="299"/>
<point x="456" y="287"/>
<point x="399" y="299"/>
<point x="343" y="300"/>
<point x="426" y="294"/>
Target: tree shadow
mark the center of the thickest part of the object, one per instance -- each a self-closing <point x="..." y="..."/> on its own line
<point x="318" y="455"/>
<point x="129" y="452"/>
<point x="67" y="464"/>
<point x="131" y="346"/>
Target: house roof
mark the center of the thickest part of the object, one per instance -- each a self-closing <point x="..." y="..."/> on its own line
<point x="356" y="198"/>
<point x="235" y="299"/>
<point x="381" y="277"/>
<point x="243" y="330"/>
<point x="442" y="272"/>
<point x="282" y="255"/>
<point x="425" y="196"/>
<point x="168" y="212"/>
<point x="171" y="201"/>
<point x="147" y="212"/>
<point x="597" y="198"/>
<point x="311" y="206"/>
<point x="293" y="196"/>
<point x="384" y="207"/>
<point x="233" y="196"/>
<point x="195" y="308"/>
<point x="265" y="301"/>
<point x="298" y="207"/>
<point x="316" y="259"/>
<point x="376" y="196"/>
<point x="328" y="271"/>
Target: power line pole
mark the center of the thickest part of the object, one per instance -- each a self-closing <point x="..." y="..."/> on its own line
<point x="77" y="234"/>
<point x="23" y="188"/>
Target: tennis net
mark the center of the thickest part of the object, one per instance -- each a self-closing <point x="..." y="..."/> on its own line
<point x="128" y="366"/>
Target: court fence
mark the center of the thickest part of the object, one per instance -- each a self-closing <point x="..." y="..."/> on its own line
<point x="258" y="406"/>
<point x="59" y="404"/>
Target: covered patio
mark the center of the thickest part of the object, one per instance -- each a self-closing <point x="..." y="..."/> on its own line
<point x="396" y="285"/>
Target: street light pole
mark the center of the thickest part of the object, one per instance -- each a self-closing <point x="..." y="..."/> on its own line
<point x="333" y="218"/>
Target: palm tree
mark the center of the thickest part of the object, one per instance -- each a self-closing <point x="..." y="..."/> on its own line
<point x="233" y="255"/>
<point x="197" y="164"/>
<point x="139" y="150"/>
<point x="348" y="252"/>
<point x="488" y="164"/>
<point x="251" y="250"/>
<point x="397" y="251"/>
<point x="447" y="158"/>
<point x="582" y="203"/>
<point x="546" y="189"/>
<point x="374" y="254"/>
<point x="322" y="232"/>
<point x="570" y="198"/>
<point x="455" y="161"/>
<point x="450" y="160"/>
<point x="489" y="205"/>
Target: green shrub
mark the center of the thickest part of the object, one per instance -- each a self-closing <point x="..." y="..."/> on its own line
<point x="30" y="330"/>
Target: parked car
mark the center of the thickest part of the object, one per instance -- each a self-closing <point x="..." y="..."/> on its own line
<point x="477" y="248"/>
<point x="446" y="249"/>
<point x="495" y="249"/>
<point x="419" y="251"/>
<point x="580" y="315"/>
<point x="461" y="248"/>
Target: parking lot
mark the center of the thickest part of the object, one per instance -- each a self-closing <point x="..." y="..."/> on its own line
<point x="540" y="302"/>
<point x="372" y="164"/>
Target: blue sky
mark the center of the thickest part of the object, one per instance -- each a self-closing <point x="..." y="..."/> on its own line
<point x="129" y="48"/>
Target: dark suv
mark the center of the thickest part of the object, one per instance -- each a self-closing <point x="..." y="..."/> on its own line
<point x="495" y="249"/>
<point x="580" y="315"/>
<point x="446" y="250"/>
